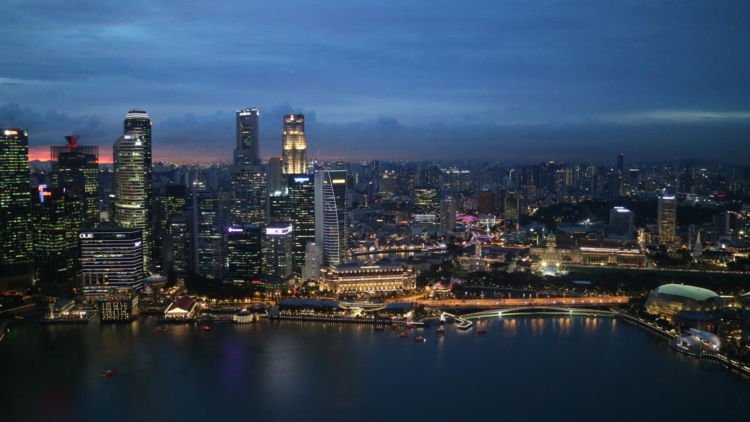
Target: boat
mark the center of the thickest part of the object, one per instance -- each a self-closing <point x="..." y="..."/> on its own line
<point x="465" y="325"/>
<point x="109" y="373"/>
<point x="206" y="328"/>
<point x="420" y="340"/>
<point x="403" y="335"/>
<point x="440" y="331"/>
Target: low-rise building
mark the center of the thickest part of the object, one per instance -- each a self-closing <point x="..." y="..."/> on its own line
<point x="181" y="309"/>
<point x="357" y="278"/>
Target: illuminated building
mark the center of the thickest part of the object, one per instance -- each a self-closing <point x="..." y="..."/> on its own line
<point x="138" y="122"/>
<point x="301" y="188"/>
<point x="426" y="203"/>
<point x="178" y="245"/>
<point x="243" y="255"/>
<point x="76" y="169"/>
<point x="278" y="206"/>
<point x="181" y="309"/>
<point x="121" y="307"/>
<point x="621" y="257"/>
<point x="357" y="278"/>
<point x="294" y="144"/>
<point x="278" y="250"/>
<point x="313" y="261"/>
<point x="249" y="188"/>
<point x="684" y="305"/>
<point x="621" y="222"/>
<point x="111" y="259"/>
<point x="171" y="201"/>
<point x="15" y="208"/>
<point x="667" y="218"/>
<point x="207" y="235"/>
<point x="247" y="149"/>
<point x="131" y="188"/>
<point x="512" y="210"/>
<point x="55" y="237"/>
<point x="330" y="214"/>
<point x="447" y="215"/>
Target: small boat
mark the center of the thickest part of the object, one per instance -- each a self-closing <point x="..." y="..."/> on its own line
<point x="403" y="335"/>
<point x="109" y="373"/>
<point x="420" y="340"/>
<point x="440" y="331"/>
<point x="206" y="328"/>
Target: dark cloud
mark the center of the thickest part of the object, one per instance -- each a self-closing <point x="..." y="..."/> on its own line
<point x="414" y="76"/>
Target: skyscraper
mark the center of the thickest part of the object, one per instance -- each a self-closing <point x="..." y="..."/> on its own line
<point x="56" y="222"/>
<point x="294" y="144"/>
<point x="447" y="215"/>
<point x="621" y="222"/>
<point x="111" y="259"/>
<point x="278" y="251"/>
<point x="330" y="214"/>
<point x="249" y="189"/>
<point x="667" y="218"/>
<point x="75" y="168"/>
<point x="15" y="207"/>
<point x="139" y="122"/>
<point x="247" y="148"/>
<point x="243" y="253"/>
<point x="301" y="203"/>
<point x="207" y="235"/>
<point x="131" y="188"/>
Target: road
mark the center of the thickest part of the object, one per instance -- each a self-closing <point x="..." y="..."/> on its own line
<point x="552" y="301"/>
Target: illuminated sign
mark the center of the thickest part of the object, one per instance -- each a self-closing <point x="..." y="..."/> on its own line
<point x="10" y="132"/>
<point x="278" y="231"/>
<point x="301" y="179"/>
<point x="235" y="230"/>
<point x="86" y="235"/>
<point x="137" y="244"/>
<point x="339" y="181"/>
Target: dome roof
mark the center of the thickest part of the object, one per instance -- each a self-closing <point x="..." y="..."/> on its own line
<point x="691" y="292"/>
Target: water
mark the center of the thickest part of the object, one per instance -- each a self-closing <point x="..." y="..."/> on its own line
<point x="528" y="367"/>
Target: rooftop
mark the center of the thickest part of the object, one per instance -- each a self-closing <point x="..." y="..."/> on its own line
<point x="692" y="292"/>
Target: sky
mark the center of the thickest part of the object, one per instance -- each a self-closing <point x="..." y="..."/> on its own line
<point x="513" y="81"/>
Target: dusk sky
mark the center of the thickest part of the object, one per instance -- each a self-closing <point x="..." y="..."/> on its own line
<point x="514" y="81"/>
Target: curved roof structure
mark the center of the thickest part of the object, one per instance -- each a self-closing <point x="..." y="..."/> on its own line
<point x="691" y="292"/>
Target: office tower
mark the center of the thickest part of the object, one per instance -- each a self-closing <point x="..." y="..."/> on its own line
<point x="247" y="149"/>
<point x="330" y="214"/>
<point x="278" y="206"/>
<point x="621" y="222"/>
<point x="294" y="144"/>
<point x="313" y="261"/>
<point x="447" y="215"/>
<point x="278" y="251"/>
<point x="426" y="201"/>
<point x="111" y="259"/>
<point x="207" y="234"/>
<point x="301" y="213"/>
<point x="275" y="174"/>
<point x="170" y="202"/>
<point x="667" y="218"/>
<point x="55" y="216"/>
<point x="138" y="122"/>
<point x="621" y="164"/>
<point x="131" y="188"/>
<point x="75" y="168"/>
<point x="15" y="207"/>
<point x="512" y="210"/>
<point x="178" y="245"/>
<point x="249" y="189"/>
<point x="243" y="254"/>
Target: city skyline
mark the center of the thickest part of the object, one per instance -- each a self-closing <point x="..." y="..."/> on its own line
<point x="517" y="82"/>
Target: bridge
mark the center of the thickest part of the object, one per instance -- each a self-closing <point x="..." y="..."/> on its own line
<point x="576" y="302"/>
<point x="538" y="310"/>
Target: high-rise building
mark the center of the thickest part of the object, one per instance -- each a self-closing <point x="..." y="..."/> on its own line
<point x="301" y="203"/>
<point x="294" y="144"/>
<point x="330" y="214"/>
<point x="244" y="253"/>
<point x="426" y="201"/>
<point x="512" y="210"/>
<point x="621" y="222"/>
<point x="278" y="251"/>
<point x="55" y="215"/>
<point x="132" y="187"/>
<point x="207" y="234"/>
<point x="138" y="122"/>
<point x="249" y="186"/>
<point x="447" y="215"/>
<point x="278" y="206"/>
<point x="177" y="247"/>
<point x="667" y="218"/>
<point x="15" y="207"/>
<point x="76" y="169"/>
<point x="111" y="259"/>
<point x="247" y="149"/>
<point x="170" y="202"/>
<point x="275" y="175"/>
<point x="313" y="261"/>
